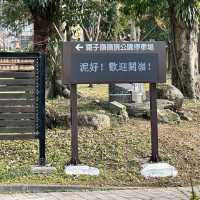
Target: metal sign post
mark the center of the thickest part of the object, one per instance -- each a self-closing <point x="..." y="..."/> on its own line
<point x="114" y="62"/>
<point x="41" y="109"/>
<point x="154" y="123"/>
<point x="74" y="126"/>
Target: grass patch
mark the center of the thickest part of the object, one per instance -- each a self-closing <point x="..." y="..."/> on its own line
<point x="118" y="152"/>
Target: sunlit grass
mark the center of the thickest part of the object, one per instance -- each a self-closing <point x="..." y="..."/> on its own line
<point x="99" y="91"/>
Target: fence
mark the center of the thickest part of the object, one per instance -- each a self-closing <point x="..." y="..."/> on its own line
<point x="22" y="98"/>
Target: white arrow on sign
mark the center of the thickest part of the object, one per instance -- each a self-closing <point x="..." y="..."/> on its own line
<point x="78" y="47"/>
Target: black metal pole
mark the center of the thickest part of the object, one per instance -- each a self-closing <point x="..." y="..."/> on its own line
<point x="74" y="125"/>
<point x="41" y="109"/>
<point x="154" y="122"/>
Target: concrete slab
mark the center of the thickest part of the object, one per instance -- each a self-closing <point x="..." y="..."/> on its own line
<point x="37" y="169"/>
<point x="81" y="170"/>
<point x="158" y="170"/>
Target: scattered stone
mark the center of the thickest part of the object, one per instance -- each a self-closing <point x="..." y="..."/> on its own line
<point x="165" y="104"/>
<point x="170" y="92"/>
<point x="50" y="118"/>
<point x="138" y="109"/>
<point x="37" y="169"/>
<point x="142" y="109"/>
<point x="95" y="120"/>
<point x="117" y="108"/>
<point x="81" y="170"/>
<point x="185" y="115"/>
<point x="123" y="118"/>
<point x="166" y="116"/>
<point x="120" y="93"/>
<point x="97" y="101"/>
<point x="158" y="170"/>
<point x="98" y="120"/>
<point x="66" y="92"/>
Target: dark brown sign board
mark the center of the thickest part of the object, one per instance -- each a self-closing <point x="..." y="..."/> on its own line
<point x="114" y="62"/>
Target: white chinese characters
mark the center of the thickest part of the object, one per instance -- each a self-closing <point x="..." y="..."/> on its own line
<point x="115" y="47"/>
<point x="113" y="66"/>
<point x="91" y="67"/>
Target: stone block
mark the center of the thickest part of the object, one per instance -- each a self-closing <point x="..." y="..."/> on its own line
<point x="81" y="170"/>
<point x="158" y="170"/>
<point x="117" y="108"/>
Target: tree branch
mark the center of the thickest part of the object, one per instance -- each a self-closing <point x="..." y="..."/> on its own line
<point x="58" y="31"/>
<point x="98" y="28"/>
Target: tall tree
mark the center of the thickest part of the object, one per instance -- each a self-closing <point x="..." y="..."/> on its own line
<point x="97" y="18"/>
<point x="58" y="16"/>
<point x="44" y="13"/>
<point x="183" y="18"/>
<point x="184" y="36"/>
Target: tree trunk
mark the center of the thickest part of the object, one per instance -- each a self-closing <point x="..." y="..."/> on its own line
<point x="135" y="31"/>
<point x="41" y="34"/>
<point x="185" y="70"/>
<point x="40" y="42"/>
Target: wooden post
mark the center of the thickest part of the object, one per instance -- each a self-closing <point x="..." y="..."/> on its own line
<point x="154" y="122"/>
<point x="41" y="110"/>
<point x="74" y="126"/>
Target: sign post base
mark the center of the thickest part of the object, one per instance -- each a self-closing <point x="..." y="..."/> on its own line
<point x="158" y="170"/>
<point x="81" y="170"/>
<point x="38" y="169"/>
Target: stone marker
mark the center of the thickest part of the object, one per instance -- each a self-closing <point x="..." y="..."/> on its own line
<point x="126" y="92"/>
<point x="138" y="94"/>
<point x="158" y="170"/>
<point x="120" y="92"/>
<point x="81" y="170"/>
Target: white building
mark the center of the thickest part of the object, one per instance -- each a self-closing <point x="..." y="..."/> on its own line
<point x="10" y="41"/>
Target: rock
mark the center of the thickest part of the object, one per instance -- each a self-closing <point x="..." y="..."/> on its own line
<point x="165" y="104"/>
<point x="97" y="101"/>
<point x="170" y="92"/>
<point x="66" y="92"/>
<point x="120" y="110"/>
<point x="141" y="109"/>
<point x="117" y="108"/>
<point x="50" y="118"/>
<point x="138" y="109"/>
<point x="96" y="120"/>
<point x="123" y="118"/>
<point x="167" y="116"/>
<point x="185" y="115"/>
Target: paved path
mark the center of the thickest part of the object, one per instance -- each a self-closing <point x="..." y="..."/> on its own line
<point x="135" y="194"/>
